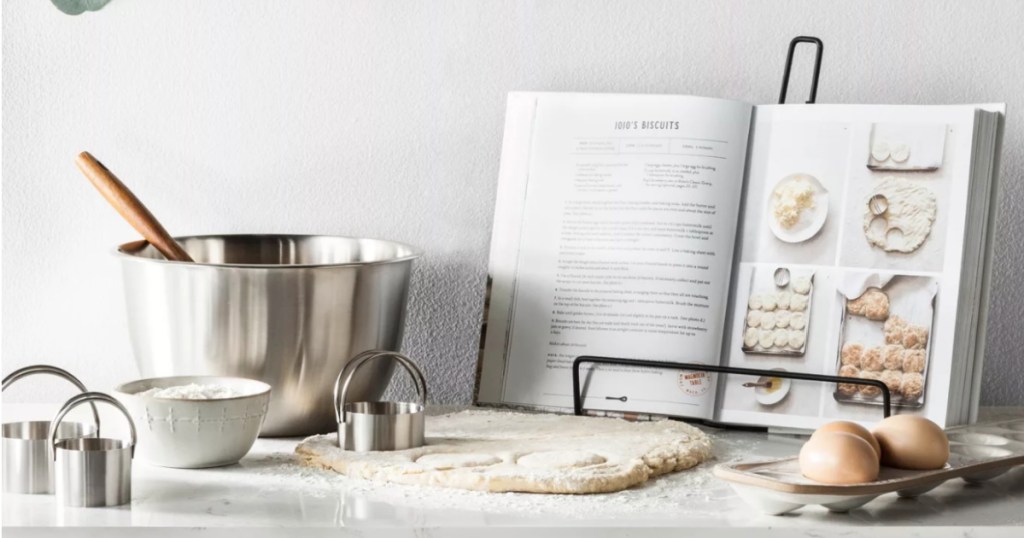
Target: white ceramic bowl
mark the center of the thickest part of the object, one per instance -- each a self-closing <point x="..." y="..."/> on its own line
<point x="194" y="434"/>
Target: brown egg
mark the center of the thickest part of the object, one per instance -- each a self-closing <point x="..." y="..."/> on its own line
<point x="912" y="442"/>
<point x="851" y="427"/>
<point x="838" y="458"/>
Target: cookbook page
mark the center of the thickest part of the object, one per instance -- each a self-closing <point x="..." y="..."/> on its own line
<point x="850" y="261"/>
<point x="614" y="235"/>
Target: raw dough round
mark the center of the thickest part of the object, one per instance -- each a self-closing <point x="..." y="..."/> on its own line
<point x="783" y="299"/>
<point x="796" y="339"/>
<point x="802" y="285"/>
<point x="630" y="453"/>
<point x="765" y="339"/>
<point x="754" y="318"/>
<point x="442" y="461"/>
<point x="798" y="320"/>
<point x="880" y="152"/>
<point x="900" y="153"/>
<point x="782" y="318"/>
<point x="560" y="459"/>
<point x="750" y="337"/>
<point x="768" y="302"/>
<point x="754" y="303"/>
<point x="780" y="337"/>
<point x="798" y="303"/>
<point x="768" y="320"/>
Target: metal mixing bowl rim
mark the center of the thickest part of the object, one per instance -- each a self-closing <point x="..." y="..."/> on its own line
<point x="128" y="251"/>
<point x="265" y="390"/>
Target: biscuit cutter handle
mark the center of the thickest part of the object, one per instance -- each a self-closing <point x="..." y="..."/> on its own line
<point x="51" y="370"/>
<point x="348" y="372"/>
<point x="89" y="397"/>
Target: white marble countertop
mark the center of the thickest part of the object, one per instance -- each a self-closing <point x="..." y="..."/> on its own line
<point x="267" y="489"/>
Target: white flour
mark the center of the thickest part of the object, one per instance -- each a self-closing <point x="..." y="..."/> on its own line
<point x="192" y="391"/>
<point x="694" y="491"/>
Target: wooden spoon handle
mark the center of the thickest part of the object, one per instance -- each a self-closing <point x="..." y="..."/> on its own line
<point x="130" y="207"/>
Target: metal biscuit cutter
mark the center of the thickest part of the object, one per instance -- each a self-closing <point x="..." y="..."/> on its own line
<point x="92" y="471"/>
<point x="781" y="277"/>
<point x="371" y="426"/>
<point x="27" y="465"/>
<point x="878" y="205"/>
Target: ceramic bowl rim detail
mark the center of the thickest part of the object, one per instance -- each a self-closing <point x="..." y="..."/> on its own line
<point x="145" y="384"/>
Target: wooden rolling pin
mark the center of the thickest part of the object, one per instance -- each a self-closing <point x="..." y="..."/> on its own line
<point x="130" y="207"/>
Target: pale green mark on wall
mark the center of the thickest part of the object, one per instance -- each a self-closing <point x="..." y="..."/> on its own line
<point x="77" y="7"/>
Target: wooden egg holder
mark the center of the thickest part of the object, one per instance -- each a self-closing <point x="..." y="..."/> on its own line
<point x="978" y="453"/>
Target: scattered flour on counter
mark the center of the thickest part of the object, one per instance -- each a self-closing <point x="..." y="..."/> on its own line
<point x="192" y="391"/>
<point x="673" y="495"/>
<point x="669" y="498"/>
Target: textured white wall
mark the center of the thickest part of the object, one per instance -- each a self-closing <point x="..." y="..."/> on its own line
<point x="384" y="119"/>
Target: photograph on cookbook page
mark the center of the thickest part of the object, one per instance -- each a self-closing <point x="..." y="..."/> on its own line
<point x="864" y="209"/>
<point x="614" y="236"/>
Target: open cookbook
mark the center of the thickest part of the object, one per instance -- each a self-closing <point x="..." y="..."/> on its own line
<point x="850" y="240"/>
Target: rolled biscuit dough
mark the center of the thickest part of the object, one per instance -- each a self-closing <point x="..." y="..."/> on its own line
<point x="500" y="451"/>
<point x="911" y="213"/>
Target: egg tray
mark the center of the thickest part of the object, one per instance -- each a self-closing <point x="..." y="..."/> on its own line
<point x="978" y="453"/>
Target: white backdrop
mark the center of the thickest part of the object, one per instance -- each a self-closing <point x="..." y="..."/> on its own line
<point x="384" y="119"/>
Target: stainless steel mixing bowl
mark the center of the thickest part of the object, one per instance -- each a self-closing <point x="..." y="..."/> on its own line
<point x="289" y="310"/>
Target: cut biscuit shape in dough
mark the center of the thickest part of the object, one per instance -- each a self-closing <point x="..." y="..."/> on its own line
<point x="444" y="461"/>
<point x="908" y="220"/>
<point x="560" y="459"/>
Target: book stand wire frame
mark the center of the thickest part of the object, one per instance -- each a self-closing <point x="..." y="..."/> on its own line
<point x="819" y="50"/>
<point x="577" y="389"/>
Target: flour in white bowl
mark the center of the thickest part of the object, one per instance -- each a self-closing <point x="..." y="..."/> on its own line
<point x="192" y="391"/>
